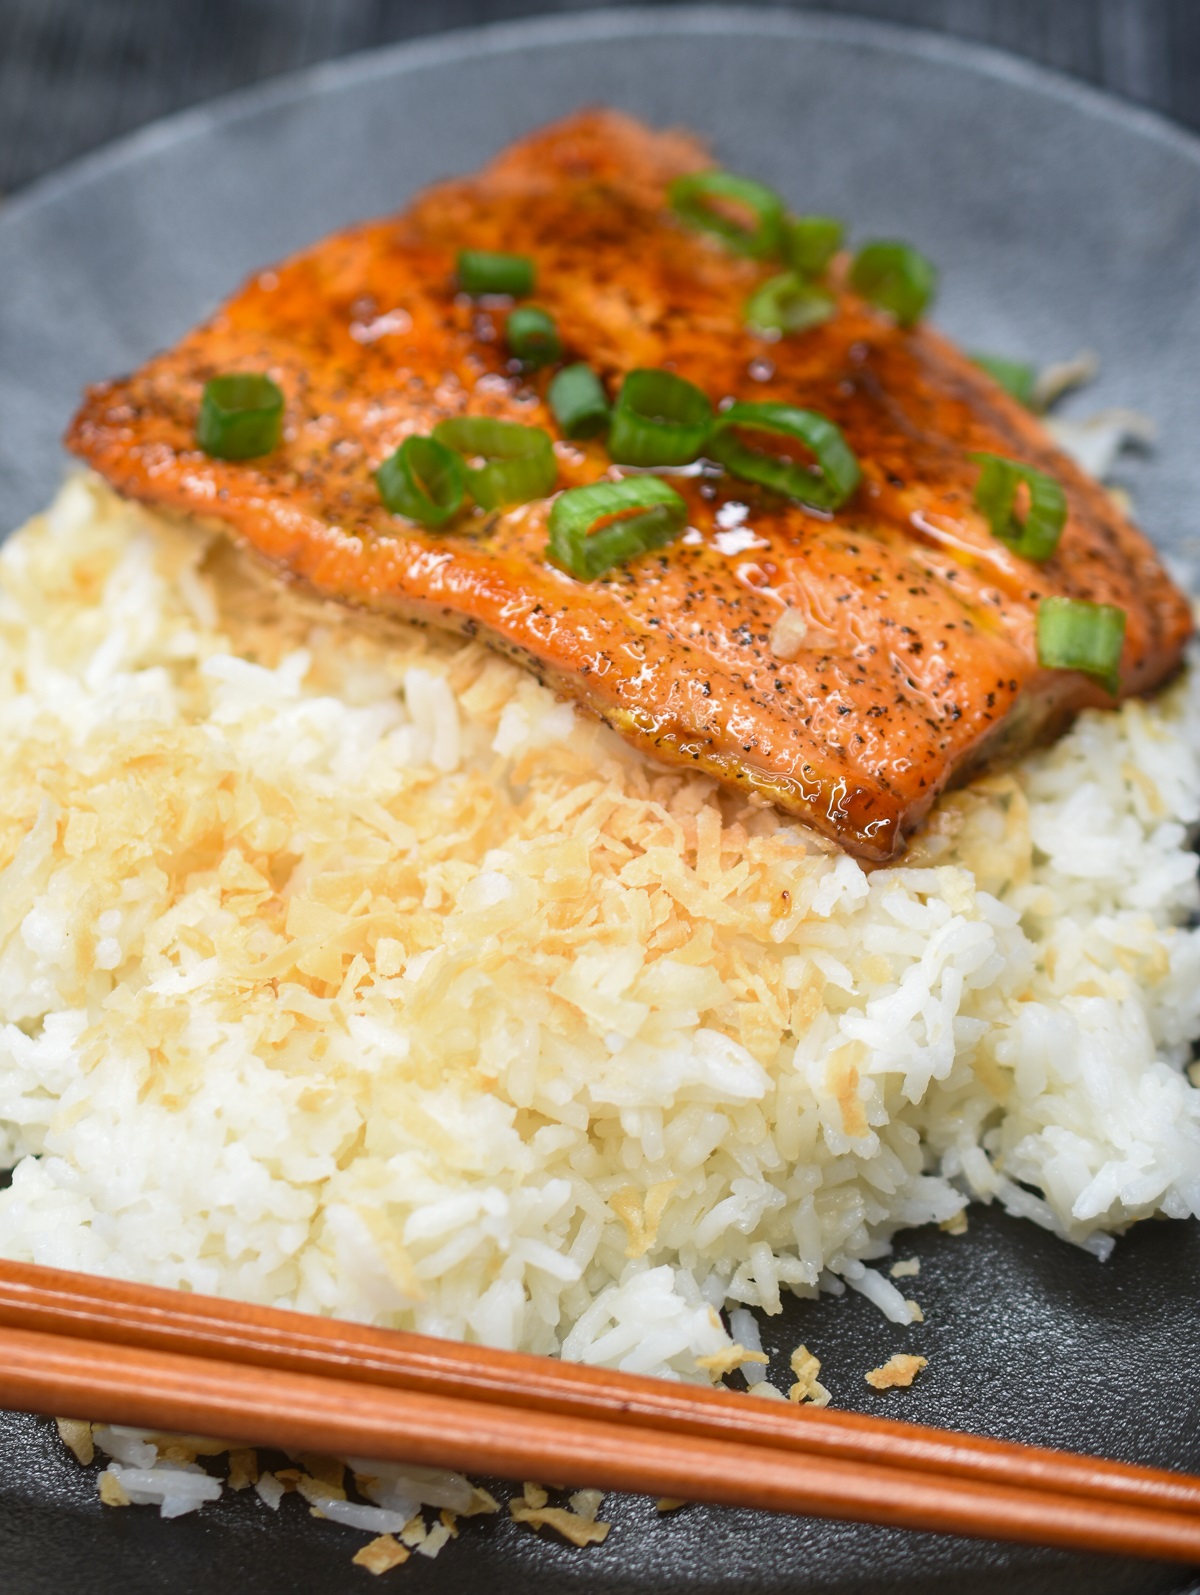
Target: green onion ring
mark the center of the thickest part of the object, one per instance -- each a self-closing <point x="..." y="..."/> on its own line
<point x="641" y="513"/>
<point x="1073" y="634"/>
<point x="895" y="277"/>
<point x="692" y="199"/>
<point x="659" y="419"/>
<point x="482" y="271"/>
<point x="241" y="416"/>
<point x="532" y="336"/>
<point x="811" y="242"/>
<point x="1016" y="377"/>
<point x="1034" y="536"/>
<point x="519" y="460"/>
<point x="827" y="488"/>
<point x="423" y="480"/>
<point x="787" y="303"/>
<point x="578" y="400"/>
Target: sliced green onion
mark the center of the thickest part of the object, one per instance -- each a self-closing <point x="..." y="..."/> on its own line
<point x="480" y="271"/>
<point x="594" y="528"/>
<point x="1016" y="377"/>
<point x="532" y="336"/>
<point x="894" y="277"/>
<point x="1035" y="533"/>
<point x="579" y="402"/>
<point x="1073" y="634"/>
<point x="827" y="487"/>
<point x="659" y="419"/>
<point x="811" y="242"/>
<point x="519" y="463"/>
<point x="705" y="200"/>
<point x="423" y="480"/>
<point x="240" y="416"/>
<point x="787" y="303"/>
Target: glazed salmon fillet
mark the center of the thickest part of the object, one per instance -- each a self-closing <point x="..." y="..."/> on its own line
<point x="918" y="659"/>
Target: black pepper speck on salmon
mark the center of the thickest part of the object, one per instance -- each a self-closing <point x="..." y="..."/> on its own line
<point x="918" y="657"/>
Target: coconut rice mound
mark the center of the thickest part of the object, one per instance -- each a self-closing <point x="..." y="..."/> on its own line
<point x="341" y="967"/>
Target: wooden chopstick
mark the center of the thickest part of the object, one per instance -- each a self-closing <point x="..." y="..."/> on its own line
<point x="190" y="1394"/>
<point x="77" y="1345"/>
<point x="91" y="1307"/>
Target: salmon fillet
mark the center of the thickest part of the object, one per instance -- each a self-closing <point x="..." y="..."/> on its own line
<point x="919" y="658"/>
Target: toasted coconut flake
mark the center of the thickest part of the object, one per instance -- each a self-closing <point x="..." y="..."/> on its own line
<point x="897" y="1373"/>
<point x="433" y="1542"/>
<point x="578" y="1530"/>
<point x="640" y="1215"/>
<point x="808" y="1387"/>
<point x="1055" y="380"/>
<point x="482" y="1501"/>
<point x="381" y="1554"/>
<point x="587" y="1503"/>
<point x="316" y="1492"/>
<point x="112" y="1491"/>
<point x="719" y="1363"/>
<point x="243" y="1469"/>
<point x="76" y="1435"/>
<point x="198" y="1445"/>
<point x="328" y="1470"/>
<point x="414" y="1531"/>
<point x="1095" y="443"/>
<point x="534" y="1494"/>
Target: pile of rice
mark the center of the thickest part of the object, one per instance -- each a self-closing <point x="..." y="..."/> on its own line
<point x="341" y="967"/>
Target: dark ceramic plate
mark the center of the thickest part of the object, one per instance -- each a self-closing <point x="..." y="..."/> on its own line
<point x="1060" y="220"/>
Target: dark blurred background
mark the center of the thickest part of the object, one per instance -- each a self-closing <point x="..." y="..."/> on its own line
<point x="75" y="73"/>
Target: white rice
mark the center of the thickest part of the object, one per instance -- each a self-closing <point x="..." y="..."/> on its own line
<point x="343" y="968"/>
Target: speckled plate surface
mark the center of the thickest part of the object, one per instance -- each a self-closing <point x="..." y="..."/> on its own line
<point x="1060" y="220"/>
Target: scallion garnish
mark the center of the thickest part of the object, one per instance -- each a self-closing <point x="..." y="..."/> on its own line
<point x="594" y="528"/>
<point x="518" y="461"/>
<point x="481" y="271"/>
<point x="811" y="242"/>
<point x="711" y="202"/>
<point x="1016" y="377"/>
<point x="240" y="417"/>
<point x="895" y="277"/>
<point x="787" y="303"/>
<point x="532" y="336"/>
<point x="1073" y="634"/>
<point x="423" y="480"/>
<point x="1034" y="530"/>
<point x="659" y="419"/>
<point x="827" y="486"/>
<point x="579" y="402"/>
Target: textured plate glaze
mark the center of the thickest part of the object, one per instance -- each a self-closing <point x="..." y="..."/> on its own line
<point x="1060" y="220"/>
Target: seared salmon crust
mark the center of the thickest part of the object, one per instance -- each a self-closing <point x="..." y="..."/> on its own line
<point x="918" y="660"/>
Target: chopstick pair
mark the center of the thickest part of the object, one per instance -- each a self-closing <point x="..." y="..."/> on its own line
<point x="74" y="1345"/>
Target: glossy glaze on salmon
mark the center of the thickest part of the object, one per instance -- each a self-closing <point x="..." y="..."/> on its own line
<point x="919" y="658"/>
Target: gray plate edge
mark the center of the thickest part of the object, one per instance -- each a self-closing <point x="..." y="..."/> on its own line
<point x="617" y="22"/>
